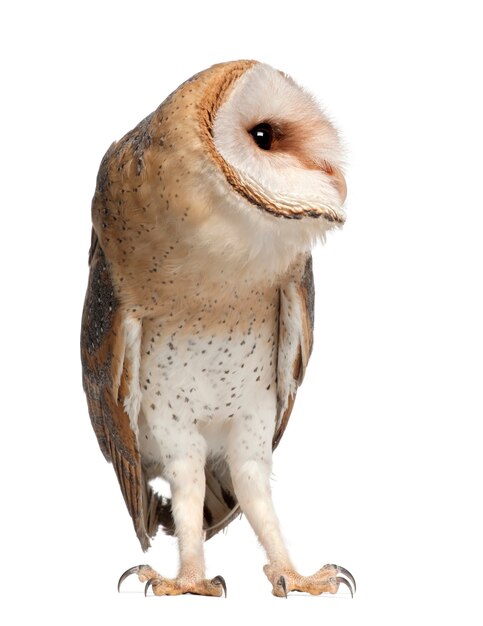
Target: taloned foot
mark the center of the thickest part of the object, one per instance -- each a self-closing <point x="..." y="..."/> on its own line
<point x="175" y="586"/>
<point x="326" y="580"/>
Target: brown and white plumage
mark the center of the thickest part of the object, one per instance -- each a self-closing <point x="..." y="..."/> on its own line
<point x="198" y="319"/>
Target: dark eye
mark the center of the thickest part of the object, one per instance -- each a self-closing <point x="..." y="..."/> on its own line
<point x="263" y="135"/>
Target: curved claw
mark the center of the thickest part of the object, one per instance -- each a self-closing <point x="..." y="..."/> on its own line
<point x="345" y="582"/>
<point x="342" y="570"/>
<point x="283" y="584"/>
<point x="347" y="574"/>
<point x="128" y="572"/>
<point x="149" y="584"/>
<point x="219" y="580"/>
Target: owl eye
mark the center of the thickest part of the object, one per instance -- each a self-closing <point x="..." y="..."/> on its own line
<point x="262" y="135"/>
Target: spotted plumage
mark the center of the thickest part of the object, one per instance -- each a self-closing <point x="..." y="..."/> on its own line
<point x="197" y="324"/>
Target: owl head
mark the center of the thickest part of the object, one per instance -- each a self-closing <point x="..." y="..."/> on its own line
<point x="239" y="163"/>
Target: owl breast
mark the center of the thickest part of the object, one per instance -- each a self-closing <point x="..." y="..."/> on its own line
<point x="203" y="370"/>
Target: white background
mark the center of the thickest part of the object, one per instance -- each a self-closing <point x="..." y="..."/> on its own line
<point x="380" y="469"/>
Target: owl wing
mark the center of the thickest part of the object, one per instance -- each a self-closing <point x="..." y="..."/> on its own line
<point x="107" y="372"/>
<point x="295" y="340"/>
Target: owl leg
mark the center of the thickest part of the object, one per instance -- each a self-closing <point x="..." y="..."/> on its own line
<point x="185" y="474"/>
<point x="250" y="467"/>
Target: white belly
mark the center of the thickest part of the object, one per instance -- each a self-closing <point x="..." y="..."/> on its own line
<point x="201" y="381"/>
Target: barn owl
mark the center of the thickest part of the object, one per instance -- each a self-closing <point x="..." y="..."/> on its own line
<point x="198" y="317"/>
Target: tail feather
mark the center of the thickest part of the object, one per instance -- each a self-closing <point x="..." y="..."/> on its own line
<point x="220" y="501"/>
<point x="220" y="506"/>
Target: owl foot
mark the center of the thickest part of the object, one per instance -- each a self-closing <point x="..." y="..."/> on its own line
<point x="325" y="580"/>
<point x="175" y="586"/>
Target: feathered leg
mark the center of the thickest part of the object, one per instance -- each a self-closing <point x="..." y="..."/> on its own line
<point x="250" y="465"/>
<point x="185" y="474"/>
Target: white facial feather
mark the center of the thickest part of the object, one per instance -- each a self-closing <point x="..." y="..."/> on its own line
<point x="264" y="94"/>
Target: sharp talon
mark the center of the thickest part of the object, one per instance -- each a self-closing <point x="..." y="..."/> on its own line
<point x="128" y="572"/>
<point x="342" y="570"/>
<point x="283" y="584"/>
<point x="345" y="582"/>
<point x="347" y="574"/>
<point x="148" y="584"/>
<point x="219" y="580"/>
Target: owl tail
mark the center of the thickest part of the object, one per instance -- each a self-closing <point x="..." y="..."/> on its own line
<point x="220" y="507"/>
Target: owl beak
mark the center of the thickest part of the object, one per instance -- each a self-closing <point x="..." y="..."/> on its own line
<point x="337" y="179"/>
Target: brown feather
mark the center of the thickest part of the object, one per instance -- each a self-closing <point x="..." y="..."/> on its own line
<point x="102" y="354"/>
